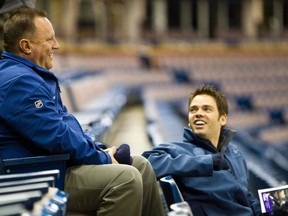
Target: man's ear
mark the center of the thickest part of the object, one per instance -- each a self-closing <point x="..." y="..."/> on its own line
<point x="223" y="120"/>
<point x="25" y="46"/>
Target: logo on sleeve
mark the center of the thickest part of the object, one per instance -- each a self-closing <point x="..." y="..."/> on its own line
<point x="38" y="104"/>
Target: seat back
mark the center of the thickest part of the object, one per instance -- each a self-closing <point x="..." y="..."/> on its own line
<point x="30" y="177"/>
<point x="171" y="191"/>
<point x="50" y="180"/>
<point x="42" y="187"/>
<point x="25" y="198"/>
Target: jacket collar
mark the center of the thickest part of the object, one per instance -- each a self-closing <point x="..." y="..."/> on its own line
<point x="39" y="70"/>
<point x="225" y="138"/>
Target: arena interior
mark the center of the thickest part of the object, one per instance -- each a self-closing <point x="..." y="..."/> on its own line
<point x="137" y="92"/>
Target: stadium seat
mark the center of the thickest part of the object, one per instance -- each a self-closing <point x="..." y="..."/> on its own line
<point x="42" y="187"/>
<point x="14" y="209"/>
<point x="35" y="164"/>
<point x="50" y="180"/>
<point x="277" y="116"/>
<point x="27" y="199"/>
<point x="244" y="102"/>
<point x="181" y="76"/>
<point x="171" y="191"/>
<point x="32" y="192"/>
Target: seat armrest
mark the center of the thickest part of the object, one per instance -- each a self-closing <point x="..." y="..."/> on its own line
<point x="34" y="160"/>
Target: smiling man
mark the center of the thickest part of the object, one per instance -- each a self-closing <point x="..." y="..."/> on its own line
<point x="37" y="43"/>
<point x="209" y="170"/>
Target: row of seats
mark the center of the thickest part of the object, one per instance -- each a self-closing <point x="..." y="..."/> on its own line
<point x="24" y="190"/>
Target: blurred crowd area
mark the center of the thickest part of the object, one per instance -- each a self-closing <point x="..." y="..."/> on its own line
<point x="157" y="22"/>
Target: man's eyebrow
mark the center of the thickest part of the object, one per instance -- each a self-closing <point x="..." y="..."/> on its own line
<point x="207" y="105"/>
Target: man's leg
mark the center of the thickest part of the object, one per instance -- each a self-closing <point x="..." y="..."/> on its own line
<point x="104" y="189"/>
<point x="152" y="202"/>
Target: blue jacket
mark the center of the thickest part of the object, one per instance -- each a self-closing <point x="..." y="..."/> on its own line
<point x="33" y="120"/>
<point x="208" y="192"/>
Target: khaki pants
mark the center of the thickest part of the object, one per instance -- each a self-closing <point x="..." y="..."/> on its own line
<point x="114" y="190"/>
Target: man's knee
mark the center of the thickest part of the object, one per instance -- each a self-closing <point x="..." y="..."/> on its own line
<point x="143" y="165"/>
<point x="131" y="176"/>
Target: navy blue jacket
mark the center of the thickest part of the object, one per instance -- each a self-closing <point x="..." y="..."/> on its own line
<point x="208" y="192"/>
<point x="33" y="120"/>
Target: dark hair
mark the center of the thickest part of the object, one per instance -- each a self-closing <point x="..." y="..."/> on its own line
<point x="20" y="24"/>
<point x="220" y="99"/>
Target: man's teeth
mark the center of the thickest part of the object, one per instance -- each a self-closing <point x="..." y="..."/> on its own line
<point x="199" y="122"/>
<point x="51" y="55"/>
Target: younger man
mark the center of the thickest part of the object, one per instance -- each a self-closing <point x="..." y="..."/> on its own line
<point x="210" y="171"/>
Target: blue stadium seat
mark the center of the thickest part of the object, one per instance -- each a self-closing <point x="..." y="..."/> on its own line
<point x="181" y="76"/>
<point x="244" y="102"/>
<point x="171" y="191"/>
<point x="277" y="116"/>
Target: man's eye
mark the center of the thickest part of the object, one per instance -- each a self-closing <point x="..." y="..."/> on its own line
<point x="208" y="109"/>
<point x="192" y="109"/>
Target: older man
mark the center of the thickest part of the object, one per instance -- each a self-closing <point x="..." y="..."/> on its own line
<point x="35" y="122"/>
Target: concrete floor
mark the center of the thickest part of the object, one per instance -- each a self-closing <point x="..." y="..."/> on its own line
<point x="130" y="128"/>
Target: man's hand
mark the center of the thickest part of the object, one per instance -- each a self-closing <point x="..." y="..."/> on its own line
<point x="111" y="151"/>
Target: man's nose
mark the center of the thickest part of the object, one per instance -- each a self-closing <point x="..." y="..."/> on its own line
<point x="56" y="45"/>
<point x="199" y="112"/>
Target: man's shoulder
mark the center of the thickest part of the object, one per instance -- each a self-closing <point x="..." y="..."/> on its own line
<point x="15" y="72"/>
<point x="174" y="146"/>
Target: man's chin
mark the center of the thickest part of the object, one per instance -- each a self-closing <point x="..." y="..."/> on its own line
<point x="198" y="130"/>
<point x="199" y="133"/>
<point x="49" y="66"/>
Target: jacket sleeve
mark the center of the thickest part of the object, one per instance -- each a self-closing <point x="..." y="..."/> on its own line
<point x="34" y="113"/>
<point x="169" y="159"/>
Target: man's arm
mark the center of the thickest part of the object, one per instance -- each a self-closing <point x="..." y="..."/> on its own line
<point x="35" y="114"/>
<point x="168" y="159"/>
